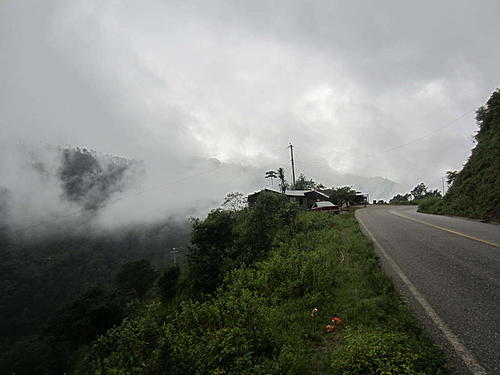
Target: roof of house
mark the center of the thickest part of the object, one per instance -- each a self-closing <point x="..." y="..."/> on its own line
<point x="266" y="189"/>
<point x="302" y="193"/>
<point x="293" y="193"/>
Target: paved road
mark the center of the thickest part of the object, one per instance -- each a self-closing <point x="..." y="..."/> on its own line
<point x="448" y="271"/>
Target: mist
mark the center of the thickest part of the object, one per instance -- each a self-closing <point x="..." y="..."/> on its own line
<point x="207" y="98"/>
<point x="46" y="189"/>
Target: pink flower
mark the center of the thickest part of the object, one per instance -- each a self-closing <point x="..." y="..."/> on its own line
<point x="329" y="328"/>
<point x="336" y="320"/>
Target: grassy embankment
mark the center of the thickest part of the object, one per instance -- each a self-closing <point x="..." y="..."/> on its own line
<point x="475" y="191"/>
<point x="259" y="321"/>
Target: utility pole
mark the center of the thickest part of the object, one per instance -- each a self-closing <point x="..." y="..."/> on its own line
<point x="442" y="180"/>
<point x="293" y="165"/>
<point x="174" y="255"/>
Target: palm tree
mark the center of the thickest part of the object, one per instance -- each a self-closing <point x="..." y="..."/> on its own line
<point x="271" y="175"/>
<point x="281" y="176"/>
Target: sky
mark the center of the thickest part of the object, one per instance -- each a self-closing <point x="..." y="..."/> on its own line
<point x="384" y="90"/>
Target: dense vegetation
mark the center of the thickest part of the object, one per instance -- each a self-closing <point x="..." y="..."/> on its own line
<point x="475" y="190"/>
<point x="341" y="196"/>
<point x="258" y="297"/>
<point x="417" y="195"/>
<point x="38" y="278"/>
<point x="59" y="281"/>
<point x="106" y="303"/>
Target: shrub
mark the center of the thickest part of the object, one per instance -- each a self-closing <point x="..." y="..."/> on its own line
<point x="211" y="240"/>
<point x="27" y="356"/>
<point x="92" y="314"/>
<point x="137" y="346"/>
<point x="259" y="322"/>
<point x="380" y="351"/>
<point x="404" y="203"/>
<point x="226" y="240"/>
<point x="433" y="205"/>
<point x="136" y="277"/>
<point x="168" y="283"/>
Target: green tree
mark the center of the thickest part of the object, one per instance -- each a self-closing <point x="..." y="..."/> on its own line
<point x="136" y="277"/>
<point x="400" y="198"/>
<point x="419" y="191"/>
<point x="256" y="231"/>
<point x="234" y="201"/>
<point x="227" y="239"/>
<point x="211" y="241"/>
<point x="272" y="175"/>
<point x="283" y="183"/>
<point x="433" y="193"/>
<point x="342" y="195"/>
<point x="302" y="183"/>
<point x="168" y="283"/>
<point x="31" y="355"/>
<point x="91" y="314"/>
<point x="488" y="117"/>
<point x="450" y="177"/>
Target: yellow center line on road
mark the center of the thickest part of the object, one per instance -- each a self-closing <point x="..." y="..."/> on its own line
<point x="445" y="229"/>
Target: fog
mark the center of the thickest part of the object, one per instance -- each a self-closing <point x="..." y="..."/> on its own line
<point x="208" y="95"/>
<point x="36" y="200"/>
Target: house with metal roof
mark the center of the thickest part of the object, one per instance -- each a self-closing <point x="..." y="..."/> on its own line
<point x="302" y="198"/>
<point x="306" y="198"/>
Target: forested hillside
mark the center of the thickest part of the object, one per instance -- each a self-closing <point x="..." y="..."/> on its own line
<point x="475" y="190"/>
<point x="36" y="278"/>
<point x="290" y="293"/>
<point x="266" y="290"/>
<point x="51" y="262"/>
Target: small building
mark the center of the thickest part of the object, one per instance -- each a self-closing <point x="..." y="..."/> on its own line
<point x="306" y="198"/>
<point x="302" y="198"/>
<point x="360" y="199"/>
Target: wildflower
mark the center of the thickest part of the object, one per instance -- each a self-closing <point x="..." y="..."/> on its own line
<point x="336" y="320"/>
<point x="329" y="328"/>
<point x="314" y="312"/>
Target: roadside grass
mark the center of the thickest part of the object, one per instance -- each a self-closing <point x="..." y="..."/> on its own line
<point x="259" y="321"/>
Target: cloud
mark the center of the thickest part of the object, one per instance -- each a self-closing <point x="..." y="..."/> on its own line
<point x="359" y="88"/>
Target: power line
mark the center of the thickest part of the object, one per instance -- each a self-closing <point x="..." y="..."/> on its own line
<point x="394" y="147"/>
<point x="82" y="210"/>
<point x="417" y="139"/>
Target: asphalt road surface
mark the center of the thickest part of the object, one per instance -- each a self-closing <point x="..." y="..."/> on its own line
<point x="448" y="271"/>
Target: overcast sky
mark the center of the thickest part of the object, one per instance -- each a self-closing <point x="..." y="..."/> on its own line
<point x="371" y="88"/>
